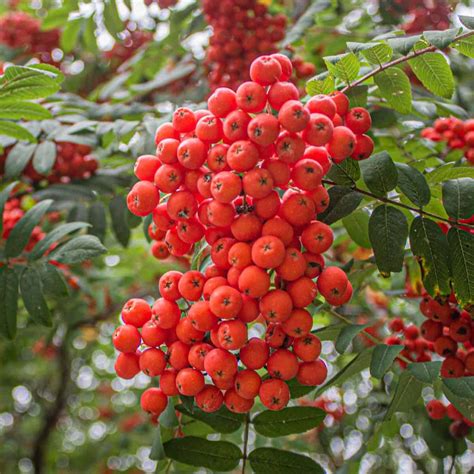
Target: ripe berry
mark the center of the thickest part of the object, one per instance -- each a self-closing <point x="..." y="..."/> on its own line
<point x="274" y="394"/>
<point x="126" y="338"/>
<point x="312" y="373"/>
<point x="153" y="401"/>
<point x="436" y="409"/>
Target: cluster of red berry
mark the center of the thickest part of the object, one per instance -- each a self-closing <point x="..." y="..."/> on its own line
<point x="458" y="134"/>
<point x="19" y="30"/>
<point x="242" y="30"/>
<point x="73" y="161"/>
<point x="249" y="182"/>
<point x="460" y="426"/>
<point x="446" y="326"/>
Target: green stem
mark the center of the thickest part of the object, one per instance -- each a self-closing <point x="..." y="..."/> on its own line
<point x="413" y="54"/>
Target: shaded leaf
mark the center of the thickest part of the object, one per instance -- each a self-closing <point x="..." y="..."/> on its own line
<point x="9" y="299"/>
<point x="347" y="335"/>
<point x="460" y="392"/>
<point x="407" y="393"/>
<point x="426" y="372"/>
<point x="458" y="197"/>
<point x="413" y="184"/>
<point x="222" y="421"/>
<point x="383" y="358"/>
<point x="33" y="298"/>
<point x="118" y="211"/>
<point x="53" y="280"/>
<point x="379" y="173"/>
<point x="342" y="202"/>
<point x="18" y="158"/>
<point x="44" y="157"/>
<point x="78" y="249"/>
<point x="357" y="226"/>
<point x="277" y="461"/>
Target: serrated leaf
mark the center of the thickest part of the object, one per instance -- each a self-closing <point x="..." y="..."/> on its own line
<point x="70" y="34"/>
<point x="413" y="184"/>
<point x="345" y="173"/>
<point x="98" y="220"/>
<point x="78" y="249"/>
<point x="465" y="46"/>
<point x="441" y="39"/>
<point x="288" y="421"/>
<point x="9" y="299"/>
<point x="305" y="21"/>
<point x="394" y="86"/>
<point x="383" y="358"/>
<point x="357" y="226"/>
<point x="428" y="242"/>
<point x="118" y="211"/>
<point x="426" y="372"/>
<point x="199" y="452"/>
<point x="24" y="110"/>
<point x="347" y="335"/>
<point x="467" y="21"/>
<point x="447" y="171"/>
<point x="460" y="392"/>
<point x="277" y="461"/>
<point x="33" y="298"/>
<point x="11" y="129"/>
<point x="379" y="173"/>
<point x="320" y="86"/>
<point x="342" y="202"/>
<point x="461" y="254"/>
<point x="358" y="97"/>
<point x="18" y="158"/>
<point x="388" y="232"/>
<point x="360" y="362"/>
<point x="407" y="393"/>
<point x="458" y="197"/>
<point x="21" y="233"/>
<point x="345" y="66"/>
<point x="55" y="236"/>
<point x="403" y="44"/>
<point x="378" y="54"/>
<point x="157" y="450"/>
<point x="53" y="281"/>
<point x="44" y="157"/>
<point x="4" y="196"/>
<point x="222" y="421"/>
<point x="433" y="71"/>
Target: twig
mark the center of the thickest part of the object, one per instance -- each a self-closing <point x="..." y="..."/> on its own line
<point x="401" y="204"/>
<point x="413" y="54"/>
<point x="246" y="442"/>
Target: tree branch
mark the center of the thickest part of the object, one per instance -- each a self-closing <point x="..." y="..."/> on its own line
<point x="246" y="442"/>
<point x="413" y="54"/>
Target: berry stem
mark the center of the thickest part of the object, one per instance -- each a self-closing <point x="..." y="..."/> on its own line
<point x="246" y="441"/>
<point x="402" y="59"/>
<point x="369" y="336"/>
<point x="400" y="204"/>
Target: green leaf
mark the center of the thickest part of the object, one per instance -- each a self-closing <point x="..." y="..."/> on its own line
<point x="345" y="173"/>
<point x="53" y="237"/>
<point x="329" y="333"/>
<point x="344" y="66"/>
<point x="426" y="372"/>
<point x="347" y="334"/>
<point x="24" y="110"/>
<point x="407" y="393"/>
<point x="433" y="71"/>
<point x="467" y="21"/>
<point x="11" y="129"/>
<point x="291" y="420"/>
<point x="342" y="202"/>
<point x="441" y="39"/>
<point x="316" y="86"/>
<point x="378" y="54"/>
<point x="360" y="362"/>
<point x="44" y="157"/>
<point x="78" y="249"/>
<point x="458" y="197"/>
<point x="18" y="158"/>
<point x="21" y="233"/>
<point x="428" y="242"/>
<point x="54" y="283"/>
<point x="89" y="35"/>
<point x="447" y="171"/>
<point x="383" y="358"/>
<point x="297" y="390"/>
<point x="112" y="20"/>
<point x="388" y="232"/>
<point x="9" y="299"/>
<point x="357" y="226"/>
<point x="118" y="212"/>
<point x="55" y="17"/>
<point x="357" y="97"/>
<point x="98" y="220"/>
<point x="277" y="461"/>
<point x="157" y="450"/>
<point x="403" y="44"/>
<point x="32" y="293"/>
<point x="465" y="46"/>
<point x="70" y="34"/>
<point x="461" y="254"/>
<point x="305" y="21"/>
<point x="168" y="418"/>
<point x="395" y="88"/>
<point x="379" y="173"/>
<point x="214" y="455"/>
<point x="440" y="441"/>
<point x="222" y="421"/>
<point x="413" y="184"/>
<point x="460" y="392"/>
<point x="4" y="196"/>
